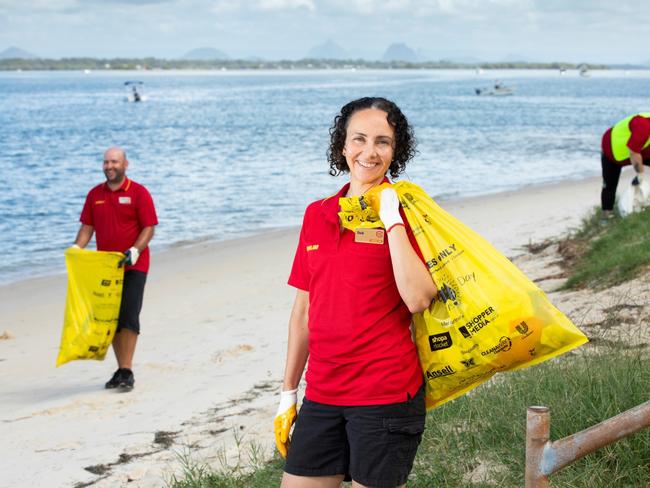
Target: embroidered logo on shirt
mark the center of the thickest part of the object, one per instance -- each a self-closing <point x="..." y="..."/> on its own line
<point x="125" y="200"/>
<point x="312" y="247"/>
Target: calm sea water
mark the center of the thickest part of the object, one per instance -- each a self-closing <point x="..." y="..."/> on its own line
<point x="231" y="153"/>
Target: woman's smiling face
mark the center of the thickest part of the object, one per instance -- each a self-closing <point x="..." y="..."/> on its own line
<point x="369" y="147"/>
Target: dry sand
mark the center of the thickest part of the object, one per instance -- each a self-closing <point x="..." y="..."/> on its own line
<point x="210" y="358"/>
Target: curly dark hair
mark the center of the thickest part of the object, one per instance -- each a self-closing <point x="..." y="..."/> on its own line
<point x="405" y="142"/>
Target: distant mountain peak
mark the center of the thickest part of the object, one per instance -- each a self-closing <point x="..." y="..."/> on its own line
<point x="13" y="52"/>
<point x="328" y="50"/>
<point x="400" y="52"/>
<point x="205" y="54"/>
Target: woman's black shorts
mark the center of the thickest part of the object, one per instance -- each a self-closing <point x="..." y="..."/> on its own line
<point x="373" y="445"/>
<point x="132" y="295"/>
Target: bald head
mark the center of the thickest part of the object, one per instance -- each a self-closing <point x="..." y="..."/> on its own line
<point x="115" y="164"/>
<point x="115" y="153"/>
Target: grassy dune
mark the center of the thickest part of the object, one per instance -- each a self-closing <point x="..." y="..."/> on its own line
<point x="478" y="440"/>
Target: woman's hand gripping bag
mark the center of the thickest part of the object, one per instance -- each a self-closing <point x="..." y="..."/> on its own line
<point x="92" y="305"/>
<point x="488" y="316"/>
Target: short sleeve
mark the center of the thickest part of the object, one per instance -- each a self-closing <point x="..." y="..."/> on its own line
<point x="412" y="239"/>
<point x="640" y="133"/>
<point x="146" y="210"/>
<point x="86" y="217"/>
<point x="300" y="276"/>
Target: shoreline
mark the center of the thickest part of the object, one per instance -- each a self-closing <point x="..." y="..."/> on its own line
<point x="453" y="205"/>
<point x="210" y="359"/>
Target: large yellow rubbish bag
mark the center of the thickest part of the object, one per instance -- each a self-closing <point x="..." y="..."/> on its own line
<point x="487" y="318"/>
<point x="93" y="304"/>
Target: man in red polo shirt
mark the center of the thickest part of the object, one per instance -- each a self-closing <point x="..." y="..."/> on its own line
<point x="121" y="214"/>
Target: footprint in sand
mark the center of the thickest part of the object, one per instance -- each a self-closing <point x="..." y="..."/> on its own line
<point x="233" y="352"/>
<point x="96" y="406"/>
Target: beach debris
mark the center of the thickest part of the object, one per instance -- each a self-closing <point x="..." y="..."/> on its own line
<point x="164" y="438"/>
<point x="98" y="469"/>
<point x="233" y="352"/>
<point x="6" y="335"/>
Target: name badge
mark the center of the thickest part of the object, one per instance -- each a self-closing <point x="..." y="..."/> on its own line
<point x="369" y="236"/>
<point x="125" y="200"/>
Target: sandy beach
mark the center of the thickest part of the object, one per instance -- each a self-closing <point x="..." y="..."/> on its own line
<point x="210" y="358"/>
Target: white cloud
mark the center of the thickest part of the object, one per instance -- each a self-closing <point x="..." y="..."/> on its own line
<point x="225" y="6"/>
<point x="39" y="5"/>
<point x="286" y="4"/>
<point x="487" y="29"/>
<point x="366" y="7"/>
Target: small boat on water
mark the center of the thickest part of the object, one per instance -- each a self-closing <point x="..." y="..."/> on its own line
<point x="134" y="91"/>
<point x="498" y="90"/>
<point x="583" y="69"/>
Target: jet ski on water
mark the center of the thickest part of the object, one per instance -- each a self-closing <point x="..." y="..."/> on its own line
<point x="134" y="91"/>
<point x="498" y="90"/>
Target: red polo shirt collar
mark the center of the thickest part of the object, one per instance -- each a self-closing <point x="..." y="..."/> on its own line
<point x="126" y="184"/>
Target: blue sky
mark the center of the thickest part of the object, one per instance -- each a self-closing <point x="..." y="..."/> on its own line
<point x="487" y="30"/>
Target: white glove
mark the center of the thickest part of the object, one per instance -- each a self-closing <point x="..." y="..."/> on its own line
<point x="135" y="254"/>
<point x="131" y="256"/>
<point x="287" y="399"/>
<point x="389" y="209"/>
<point x="284" y="420"/>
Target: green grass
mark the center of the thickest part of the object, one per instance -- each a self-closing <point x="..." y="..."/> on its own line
<point x="605" y="256"/>
<point x="488" y="426"/>
<point x="201" y="476"/>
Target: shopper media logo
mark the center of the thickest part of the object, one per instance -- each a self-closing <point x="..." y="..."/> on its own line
<point x="476" y="323"/>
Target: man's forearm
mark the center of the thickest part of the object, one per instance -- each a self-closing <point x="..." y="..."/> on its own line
<point x="637" y="161"/>
<point x="144" y="238"/>
<point x="84" y="235"/>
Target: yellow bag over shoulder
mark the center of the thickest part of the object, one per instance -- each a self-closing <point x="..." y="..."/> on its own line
<point x="93" y="304"/>
<point x="488" y="317"/>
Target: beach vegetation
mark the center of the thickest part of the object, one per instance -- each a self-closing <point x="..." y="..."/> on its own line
<point x="249" y="468"/>
<point x="100" y="64"/>
<point x="196" y="475"/>
<point x="478" y="440"/>
<point x="599" y="256"/>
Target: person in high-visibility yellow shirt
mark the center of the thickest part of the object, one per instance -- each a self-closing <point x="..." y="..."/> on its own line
<point x="625" y="143"/>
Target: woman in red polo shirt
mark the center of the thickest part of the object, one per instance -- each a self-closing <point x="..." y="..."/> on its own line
<point x="363" y="413"/>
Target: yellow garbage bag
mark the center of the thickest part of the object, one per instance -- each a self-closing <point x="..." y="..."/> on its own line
<point x="92" y="305"/>
<point x="488" y="316"/>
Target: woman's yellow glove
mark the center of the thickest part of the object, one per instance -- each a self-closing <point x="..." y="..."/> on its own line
<point x="284" y="419"/>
